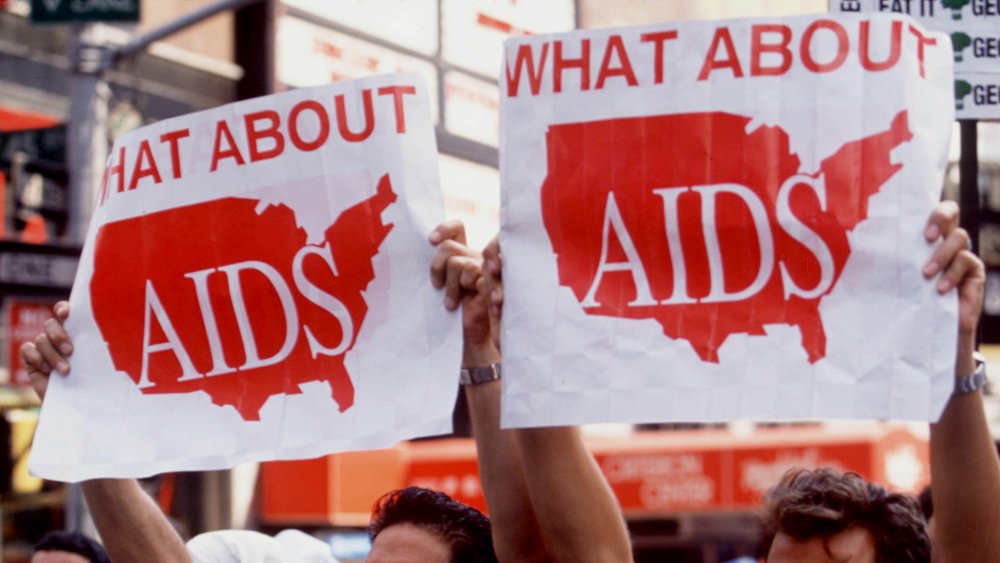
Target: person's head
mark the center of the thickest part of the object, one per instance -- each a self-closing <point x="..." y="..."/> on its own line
<point x="68" y="547"/>
<point x="823" y="515"/>
<point x="421" y="525"/>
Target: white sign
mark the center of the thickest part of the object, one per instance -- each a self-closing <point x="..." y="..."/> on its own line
<point x="245" y="272"/>
<point x="708" y="221"/>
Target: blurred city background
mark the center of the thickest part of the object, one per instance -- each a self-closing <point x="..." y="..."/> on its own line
<point x="68" y="88"/>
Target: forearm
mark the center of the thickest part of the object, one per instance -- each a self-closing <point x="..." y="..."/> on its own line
<point x="965" y="477"/>
<point x="516" y="536"/>
<point x="131" y="526"/>
<point x="577" y="511"/>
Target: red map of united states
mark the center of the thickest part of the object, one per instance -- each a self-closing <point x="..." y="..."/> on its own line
<point x="227" y="299"/>
<point x="710" y="230"/>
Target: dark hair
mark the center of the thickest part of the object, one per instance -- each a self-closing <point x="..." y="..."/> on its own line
<point x="73" y="542"/>
<point x="821" y="503"/>
<point x="926" y="503"/>
<point x="463" y="528"/>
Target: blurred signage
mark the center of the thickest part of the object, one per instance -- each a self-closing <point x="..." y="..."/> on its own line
<point x="411" y="24"/>
<point x="47" y="143"/>
<point x="943" y="15"/>
<point x="472" y="108"/>
<point x="473" y="30"/>
<point x="311" y="55"/>
<point x="713" y="478"/>
<point x="653" y="481"/>
<point x="974" y="26"/>
<point x="37" y="269"/>
<point x="33" y="162"/>
<point x="23" y="319"/>
<point x="71" y="11"/>
<point x="651" y="473"/>
<point x="977" y="95"/>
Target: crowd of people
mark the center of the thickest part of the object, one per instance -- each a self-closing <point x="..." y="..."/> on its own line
<point x="549" y="501"/>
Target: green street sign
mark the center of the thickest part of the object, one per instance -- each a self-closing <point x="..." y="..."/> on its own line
<point x="75" y="11"/>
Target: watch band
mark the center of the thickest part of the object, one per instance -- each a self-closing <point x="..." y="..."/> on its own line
<point x="472" y="376"/>
<point x="975" y="380"/>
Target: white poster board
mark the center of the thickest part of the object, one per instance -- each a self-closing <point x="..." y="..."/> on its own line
<point x="708" y="221"/>
<point x="247" y="271"/>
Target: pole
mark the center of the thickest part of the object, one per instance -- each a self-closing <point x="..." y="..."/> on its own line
<point x="968" y="180"/>
<point x="254" y="50"/>
<point x="968" y="191"/>
<point x="87" y="142"/>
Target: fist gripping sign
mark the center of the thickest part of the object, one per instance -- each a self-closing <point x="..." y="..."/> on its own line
<point x="719" y="220"/>
<point x="245" y="270"/>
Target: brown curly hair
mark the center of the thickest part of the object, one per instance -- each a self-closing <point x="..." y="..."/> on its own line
<point x="821" y="503"/>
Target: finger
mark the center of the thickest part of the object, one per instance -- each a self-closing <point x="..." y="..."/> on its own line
<point x="496" y="300"/>
<point x="955" y="242"/>
<point x="482" y="286"/>
<point x="439" y="262"/>
<point x="50" y="354"/>
<point x="956" y="271"/>
<point x="461" y="276"/>
<point x="970" y="294"/>
<point x="439" y="266"/>
<point x="491" y="255"/>
<point x="943" y="220"/>
<point x="38" y="369"/>
<point x="495" y="266"/>
<point x="493" y="280"/>
<point x="449" y="230"/>
<point x="493" y="289"/>
<point x="495" y="311"/>
<point x="61" y="309"/>
<point x="33" y="360"/>
<point x="58" y="337"/>
<point x="40" y="383"/>
<point x="470" y="271"/>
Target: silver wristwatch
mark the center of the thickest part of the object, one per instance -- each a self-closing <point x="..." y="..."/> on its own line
<point x="975" y="380"/>
<point x="471" y="376"/>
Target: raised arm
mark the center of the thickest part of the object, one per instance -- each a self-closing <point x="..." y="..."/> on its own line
<point x="457" y="269"/>
<point x="576" y="508"/>
<point x="131" y="525"/>
<point x="965" y="473"/>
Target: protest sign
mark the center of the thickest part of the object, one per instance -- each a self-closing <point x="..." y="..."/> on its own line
<point x="710" y="221"/>
<point x="254" y="285"/>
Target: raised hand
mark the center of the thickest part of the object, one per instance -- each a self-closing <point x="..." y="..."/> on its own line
<point x="49" y="351"/>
